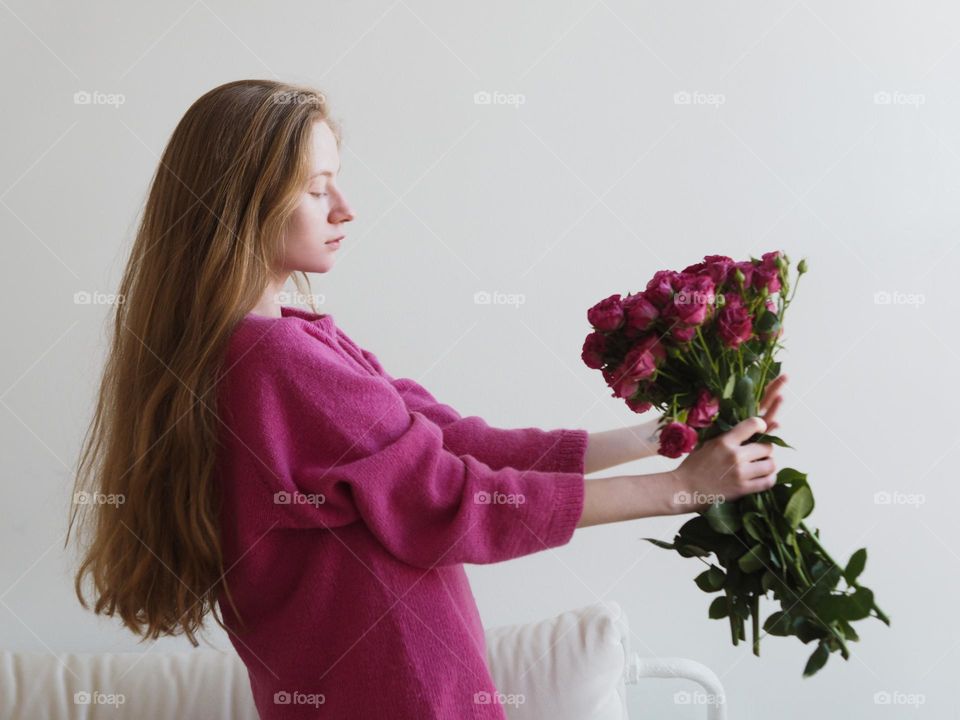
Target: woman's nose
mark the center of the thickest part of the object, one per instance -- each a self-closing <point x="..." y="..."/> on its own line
<point x="342" y="212"/>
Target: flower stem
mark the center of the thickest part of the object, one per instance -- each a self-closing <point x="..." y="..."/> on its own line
<point x="816" y="541"/>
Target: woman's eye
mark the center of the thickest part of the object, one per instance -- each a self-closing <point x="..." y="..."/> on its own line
<point x="318" y="194"/>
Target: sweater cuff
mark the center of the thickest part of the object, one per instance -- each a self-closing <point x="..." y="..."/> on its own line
<point x="572" y="451"/>
<point x="567" y="509"/>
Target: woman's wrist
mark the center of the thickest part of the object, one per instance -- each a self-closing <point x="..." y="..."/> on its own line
<point x="631" y="497"/>
<point x="622" y="445"/>
<point x="647" y="437"/>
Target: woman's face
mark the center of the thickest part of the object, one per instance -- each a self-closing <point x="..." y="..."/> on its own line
<point x="323" y="209"/>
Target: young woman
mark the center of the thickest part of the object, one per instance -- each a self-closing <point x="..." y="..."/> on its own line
<point x="275" y="475"/>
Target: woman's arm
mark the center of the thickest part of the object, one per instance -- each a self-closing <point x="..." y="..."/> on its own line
<point x="621" y="445"/>
<point x="723" y="468"/>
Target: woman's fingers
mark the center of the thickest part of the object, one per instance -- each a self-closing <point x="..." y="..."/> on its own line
<point x="771" y="402"/>
<point x="772" y="391"/>
<point x="772" y="424"/>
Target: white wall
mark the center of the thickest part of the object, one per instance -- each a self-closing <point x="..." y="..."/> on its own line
<point x="597" y="180"/>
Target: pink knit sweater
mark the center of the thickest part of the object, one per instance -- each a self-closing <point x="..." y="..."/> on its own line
<point x="351" y="500"/>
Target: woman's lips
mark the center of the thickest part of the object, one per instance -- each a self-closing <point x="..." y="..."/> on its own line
<point x="335" y="242"/>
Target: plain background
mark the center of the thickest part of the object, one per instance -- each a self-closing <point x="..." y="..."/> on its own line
<point x="648" y="135"/>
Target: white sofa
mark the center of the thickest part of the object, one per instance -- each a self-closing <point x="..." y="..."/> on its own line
<point x="575" y="666"/>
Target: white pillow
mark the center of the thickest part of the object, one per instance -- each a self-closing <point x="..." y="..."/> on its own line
<point x="568" y="667"/>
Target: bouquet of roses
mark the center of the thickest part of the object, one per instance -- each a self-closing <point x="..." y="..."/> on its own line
<point x="699" y="345"/>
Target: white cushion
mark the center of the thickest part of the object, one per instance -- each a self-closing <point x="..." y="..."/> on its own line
<point x="193" y="684"/>
<point x="569" y="666"/>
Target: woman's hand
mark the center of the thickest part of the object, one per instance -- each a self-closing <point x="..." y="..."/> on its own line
<point x="724" y="469"/>
<point x="771" y="402"/>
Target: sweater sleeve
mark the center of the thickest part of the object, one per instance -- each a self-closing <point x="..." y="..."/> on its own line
<point x="526" y="448"/>
<point x="351" y="438"/>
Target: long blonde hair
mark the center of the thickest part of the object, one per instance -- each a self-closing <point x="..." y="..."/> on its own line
<point x="207" y="246"/>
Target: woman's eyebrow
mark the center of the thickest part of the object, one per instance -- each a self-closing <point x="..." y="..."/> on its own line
<point x="323" y="172"/>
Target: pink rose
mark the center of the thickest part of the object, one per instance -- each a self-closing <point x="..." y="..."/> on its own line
<point x="607" y="314"/>
<point x="676" y="439"/>
<point x="622" y="384"/>
<point x="734" y="324"/>
<point x="692" y="301"/>
<point x="719" y="267"/>
<point x="682" y="334"/>
<point x="640" y="312"/>
<point x="767" y="273"/>
<point x="642" y="359"/>
<point x="638" y="406"/>
<point x="639" y="364"/>
<point x="703" y="412"/>
<point x="661" y="286"/>
<point x="593" y="349"/>
<point x="716" y="267"/>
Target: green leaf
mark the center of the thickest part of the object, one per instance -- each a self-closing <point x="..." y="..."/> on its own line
<point x="799" y="506"/>
<point x="778" y="624"/>
<point x="710" y="580"/>
<point x="692" y="551"/>
<point x="718" y="608"/>
<point x="848" y="632"/>
<point x="765" y="438"/>
<point x="855" y="566"/>
<point x="753" y="524"/>
<point x="661" y="543"/>
<point x="861" y="603"/>
<point x="768" y="322"/>
<point x="697" y="531"/>
<point x="824" y="586"/>
<point x="723" y="517"/>
<point x="728" y="388"/>
<point x="744" y="395"/>
<point x="808" y="630"/>
<point x="817" y="660"/>
<point x="789" y="475"/>
<point x="752" y="560"/>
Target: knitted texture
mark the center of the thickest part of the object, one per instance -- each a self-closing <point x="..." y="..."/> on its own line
<point x="351" y="501"/>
